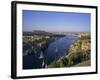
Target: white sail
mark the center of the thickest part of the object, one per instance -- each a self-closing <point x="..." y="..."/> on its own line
<point x="56" y="49"/>
<point x="41" y="55"/>
<point x="43" y="63"/>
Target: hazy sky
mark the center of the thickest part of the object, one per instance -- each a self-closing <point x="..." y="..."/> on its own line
<point x="56" y="21"/>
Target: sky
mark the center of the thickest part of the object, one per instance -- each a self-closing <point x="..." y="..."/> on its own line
<point x="56" y="21"/>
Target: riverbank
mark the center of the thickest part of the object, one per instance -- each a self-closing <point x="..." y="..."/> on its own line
<point x="79" y="52"/>
<point x="34" y="54"/>
<point x="59" y="48"/>
<point x="84" y="63"/>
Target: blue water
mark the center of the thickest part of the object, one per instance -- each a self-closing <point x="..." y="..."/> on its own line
<point x="59" y="48"/>
<point x="54" y="51"/>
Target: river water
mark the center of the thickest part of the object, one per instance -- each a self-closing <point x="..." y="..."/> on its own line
<point x="59" y="48"/>
<point x="54" y="51"/>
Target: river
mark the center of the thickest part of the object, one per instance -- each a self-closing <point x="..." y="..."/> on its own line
<point x="54" y="51"/>
<point x="59" y="48"/>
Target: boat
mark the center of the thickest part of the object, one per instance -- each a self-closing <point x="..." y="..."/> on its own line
<point x="41" y="55"/>
<point x="56" y="49"/>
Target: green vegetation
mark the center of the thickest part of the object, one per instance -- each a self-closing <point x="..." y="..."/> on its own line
<point x="79" y="52"/>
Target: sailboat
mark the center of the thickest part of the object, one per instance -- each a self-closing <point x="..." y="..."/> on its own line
<point x="56" y="49"/>
<point x="41" y="55"/>
<point x="44" y="65"/>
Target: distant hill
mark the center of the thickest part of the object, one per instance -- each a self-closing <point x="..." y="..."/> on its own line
<point x="38" y="32"/>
